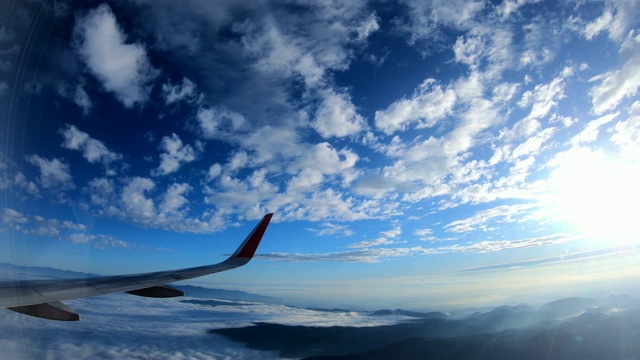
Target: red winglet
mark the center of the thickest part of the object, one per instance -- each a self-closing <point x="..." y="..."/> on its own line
<point x="250" y="244"/>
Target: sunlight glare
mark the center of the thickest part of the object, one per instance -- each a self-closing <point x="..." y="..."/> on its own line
<point x="599" y="197"/>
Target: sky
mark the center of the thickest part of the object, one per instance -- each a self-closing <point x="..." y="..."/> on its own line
<point x="419" y="154"/>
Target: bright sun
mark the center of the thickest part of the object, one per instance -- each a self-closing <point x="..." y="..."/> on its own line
<point x="600" y="197"/>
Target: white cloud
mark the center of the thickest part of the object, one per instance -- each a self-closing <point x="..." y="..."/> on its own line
<point x="424" y="234"/>
<point x="78" y="95"/>
<point x="271" y="143"/>
<point x="384" y="238"/>
<point x="282" y="50"/>
<point x="393" y="233"/>
<point x="487" y="48"/>
<point x="175" y="154"/>
<point x="468" y="50"/>
<point x="180" y="92"/>
<point x="134" y="200"/>
<point x="122" y="68"/>
<point x="237" y="161"/>
<point x="368" y="27"/>
<point x="532" y="145"/>
<point x="506" y="214"/>
<point x="236" y="195"/>
<point x="337" y="116"/>
<point x="53" y="173"/>
<point x="499" y="245"/>
<point x="427" y="16"/>
<point x="429" y="104"/>
<point x="427" y="163"/>
<point x="619" y="84"/>
<point x="219" y="122"/>
<point x="321" y="160"/>
<point x="370" y="243"/>
<point x="626" y="136"/>
<point x="618" y="17"/>
<point x="174" y="200"/>
<point x="330" y="229"/>
<point x="381" y="254"/>
<point x="93" y="150"/>
<point x="355" y="256"/>
<point x="11" y="217"/>
<point x="141" y="201"/>
<point x="543" y="98"/>
<point x="214" y="171"/>
<point x="510" y="6"/>
<point x="59" y="229"/>
<point x="592" y="129"/>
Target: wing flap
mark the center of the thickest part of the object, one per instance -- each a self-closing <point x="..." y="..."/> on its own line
<point x="51" y="311"/>
<point x="164" y="291"/>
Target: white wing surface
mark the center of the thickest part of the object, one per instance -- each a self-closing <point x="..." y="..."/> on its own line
<point x="42" y="298"/>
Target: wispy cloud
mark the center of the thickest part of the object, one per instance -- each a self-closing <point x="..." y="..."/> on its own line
<point x="621" y="83"/>
<point x="505" y="214"/>
<point x="579" y="256"/>
<point x="382" y="254"/>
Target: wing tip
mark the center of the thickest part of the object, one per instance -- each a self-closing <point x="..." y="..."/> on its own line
<point x="250" y="244"/>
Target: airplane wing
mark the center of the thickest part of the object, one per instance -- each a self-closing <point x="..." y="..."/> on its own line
<point x="42" y="298"/>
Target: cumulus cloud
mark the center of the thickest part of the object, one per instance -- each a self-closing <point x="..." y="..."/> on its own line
<point x="174" y="199"/>
<point x="337" y="116"/>
<point x="322" y="160"/>
<point x="122" y="68"/>
<point x="175" y="154"/>
<point x="219" y="122"/>
<point x="135" y="201"/>
<point x="393" y="233"/>
<point x="11" y="217"/>
<point x="144" y="202"/>
<point x="60" y="230"/>
<point x="429" y="104"/>
<point x="93" y="150"/>
<point x="54" y="173"/>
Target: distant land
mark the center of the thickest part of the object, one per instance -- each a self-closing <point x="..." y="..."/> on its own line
<point x="222" y="294"/>
<point x="415" y="314"/>
<point x="15" y="272"/>
<point x="571" y="328"/>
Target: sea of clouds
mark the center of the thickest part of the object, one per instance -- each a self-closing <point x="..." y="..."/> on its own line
<point x="123" y="326"/>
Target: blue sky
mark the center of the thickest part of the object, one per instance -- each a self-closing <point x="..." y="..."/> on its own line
<point x="419" y="153"/>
